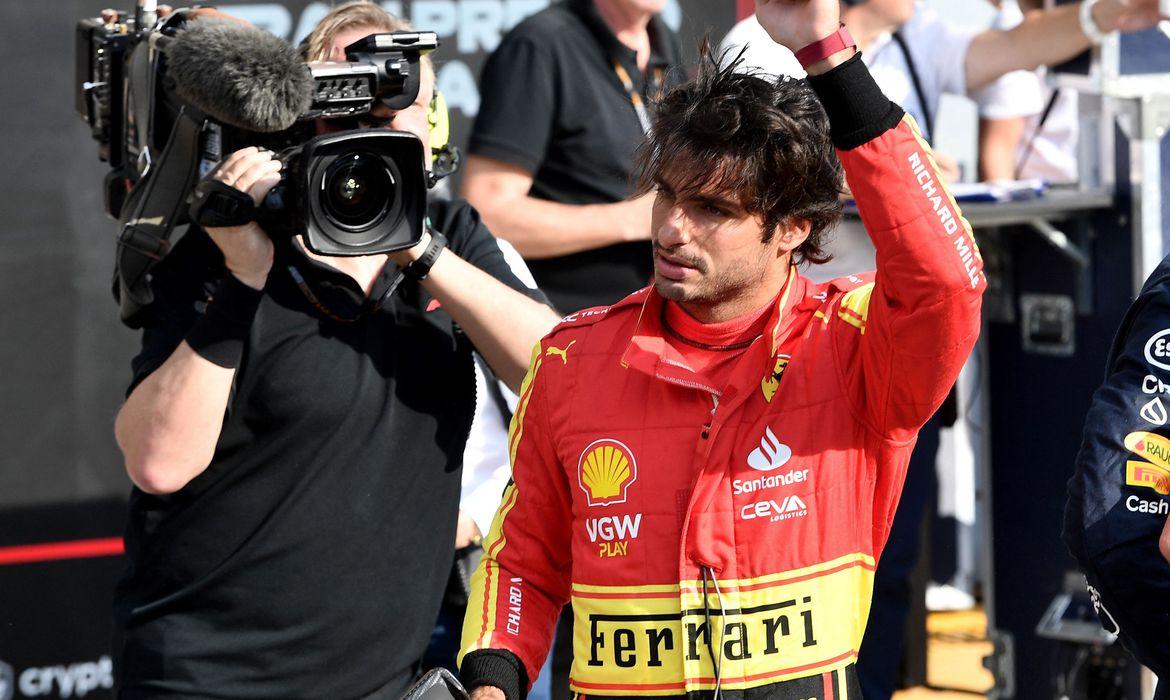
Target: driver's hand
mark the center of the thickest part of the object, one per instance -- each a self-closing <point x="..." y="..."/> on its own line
<point x="487" y="692"/>
<point x="247" y="250"/>
<point x="798" y="23"/>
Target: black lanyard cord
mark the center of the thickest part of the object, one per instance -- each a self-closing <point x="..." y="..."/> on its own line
<point x="635" y="96"/>
<point x="368" y="307"/>
<point x="917" y="82"/>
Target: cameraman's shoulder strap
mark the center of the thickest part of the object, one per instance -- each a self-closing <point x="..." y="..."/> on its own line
<point x="157" y="206"/>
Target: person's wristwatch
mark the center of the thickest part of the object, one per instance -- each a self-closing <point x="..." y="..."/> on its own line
<point x="419" y="269"/>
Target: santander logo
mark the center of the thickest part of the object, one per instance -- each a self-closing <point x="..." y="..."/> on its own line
<point x="771" y="454"/>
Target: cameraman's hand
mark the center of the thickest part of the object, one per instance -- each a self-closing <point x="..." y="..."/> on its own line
<point x="402" y="258"/>
<point x="247" y="250"/>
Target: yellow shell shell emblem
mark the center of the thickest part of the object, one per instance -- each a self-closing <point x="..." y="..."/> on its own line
<point x="606" y="470"/>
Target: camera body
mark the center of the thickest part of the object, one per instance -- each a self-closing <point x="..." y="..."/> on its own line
<point x="351" y="193"/>
<point x="102" y="46"/>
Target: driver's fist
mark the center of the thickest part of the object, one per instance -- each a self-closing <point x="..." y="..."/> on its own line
<point x="795" y="24"/>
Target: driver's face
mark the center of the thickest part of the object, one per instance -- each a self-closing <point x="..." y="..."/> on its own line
<point x="413" y="119"/>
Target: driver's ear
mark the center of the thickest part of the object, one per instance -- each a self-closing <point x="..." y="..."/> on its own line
<point x="791" y="233"/>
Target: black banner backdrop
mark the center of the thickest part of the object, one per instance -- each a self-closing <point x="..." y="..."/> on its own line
<point x="64" y="356"/>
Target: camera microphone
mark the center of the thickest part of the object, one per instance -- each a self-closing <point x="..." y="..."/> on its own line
<point x="239" y="75"/>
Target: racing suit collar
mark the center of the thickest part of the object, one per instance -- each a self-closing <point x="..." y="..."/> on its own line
<point x="649" y="352"/>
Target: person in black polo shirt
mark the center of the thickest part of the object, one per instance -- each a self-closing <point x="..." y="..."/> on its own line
<point x="295" y="433"/>
<point x="553" y="145"/>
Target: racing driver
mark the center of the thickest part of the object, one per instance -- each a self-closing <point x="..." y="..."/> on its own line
<point x="708" y="469"/>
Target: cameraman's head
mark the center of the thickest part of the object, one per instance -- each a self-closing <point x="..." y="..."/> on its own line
<point x="352" y="21"/>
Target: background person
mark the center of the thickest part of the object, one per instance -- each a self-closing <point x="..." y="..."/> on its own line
<point x="295" y="436"/>
<point x="552" y="150"/>
<point x="1117" y="520"/>
<point x="1027" y="129"/>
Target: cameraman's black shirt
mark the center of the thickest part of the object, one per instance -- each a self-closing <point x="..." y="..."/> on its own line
<point x="309" y="559"/>
<point x="553" y="104"/>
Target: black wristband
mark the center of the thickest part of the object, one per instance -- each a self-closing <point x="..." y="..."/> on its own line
<point x="218" y="336"/>
<point x="858" y="109"/>
<point x="495" y="667"/>
<point x="419" y="269"/>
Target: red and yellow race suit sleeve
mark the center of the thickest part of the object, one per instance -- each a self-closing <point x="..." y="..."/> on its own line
<point x="919" y="321"/>
<point x="522" y="582"/>
<point x="910" y="332"/>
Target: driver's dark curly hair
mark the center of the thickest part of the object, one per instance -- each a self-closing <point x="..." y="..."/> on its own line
<point x="765" y="142"/>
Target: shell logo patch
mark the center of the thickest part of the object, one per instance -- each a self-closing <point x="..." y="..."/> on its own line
<point x="605" y="471"/>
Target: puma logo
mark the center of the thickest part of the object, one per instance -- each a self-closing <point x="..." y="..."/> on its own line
<point x="558" y="352"/>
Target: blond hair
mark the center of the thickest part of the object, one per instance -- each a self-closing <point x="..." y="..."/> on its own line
<point x="352" y="15"/>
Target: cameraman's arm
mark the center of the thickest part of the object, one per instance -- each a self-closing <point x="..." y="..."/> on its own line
<point x="539" y="228"/>
<point x="170" y="423"/>
<point x="503" y="323"/>
<point x="521" y="90"/>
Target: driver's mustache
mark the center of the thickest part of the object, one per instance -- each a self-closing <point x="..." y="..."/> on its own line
<point x="682" y="257"/>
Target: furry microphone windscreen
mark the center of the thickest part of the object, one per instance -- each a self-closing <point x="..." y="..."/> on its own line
<point x="239" y="75"/>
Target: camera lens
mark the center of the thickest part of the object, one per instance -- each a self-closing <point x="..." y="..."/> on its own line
<point x="357" y="190"/>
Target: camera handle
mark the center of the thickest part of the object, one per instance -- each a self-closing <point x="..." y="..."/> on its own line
<point x="218" y="205"/>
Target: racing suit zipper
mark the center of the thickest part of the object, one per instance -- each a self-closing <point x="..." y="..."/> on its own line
<point x="706" y="433"/>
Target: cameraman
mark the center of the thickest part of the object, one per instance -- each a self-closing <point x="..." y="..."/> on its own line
<point x="295" y="434"/>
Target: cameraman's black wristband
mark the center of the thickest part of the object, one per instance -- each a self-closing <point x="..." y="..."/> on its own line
<point x="419" y="269"/>
<point x="218" y="336"/>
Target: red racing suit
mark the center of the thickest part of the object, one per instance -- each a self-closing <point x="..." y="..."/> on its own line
<point x="687" y="522"/>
